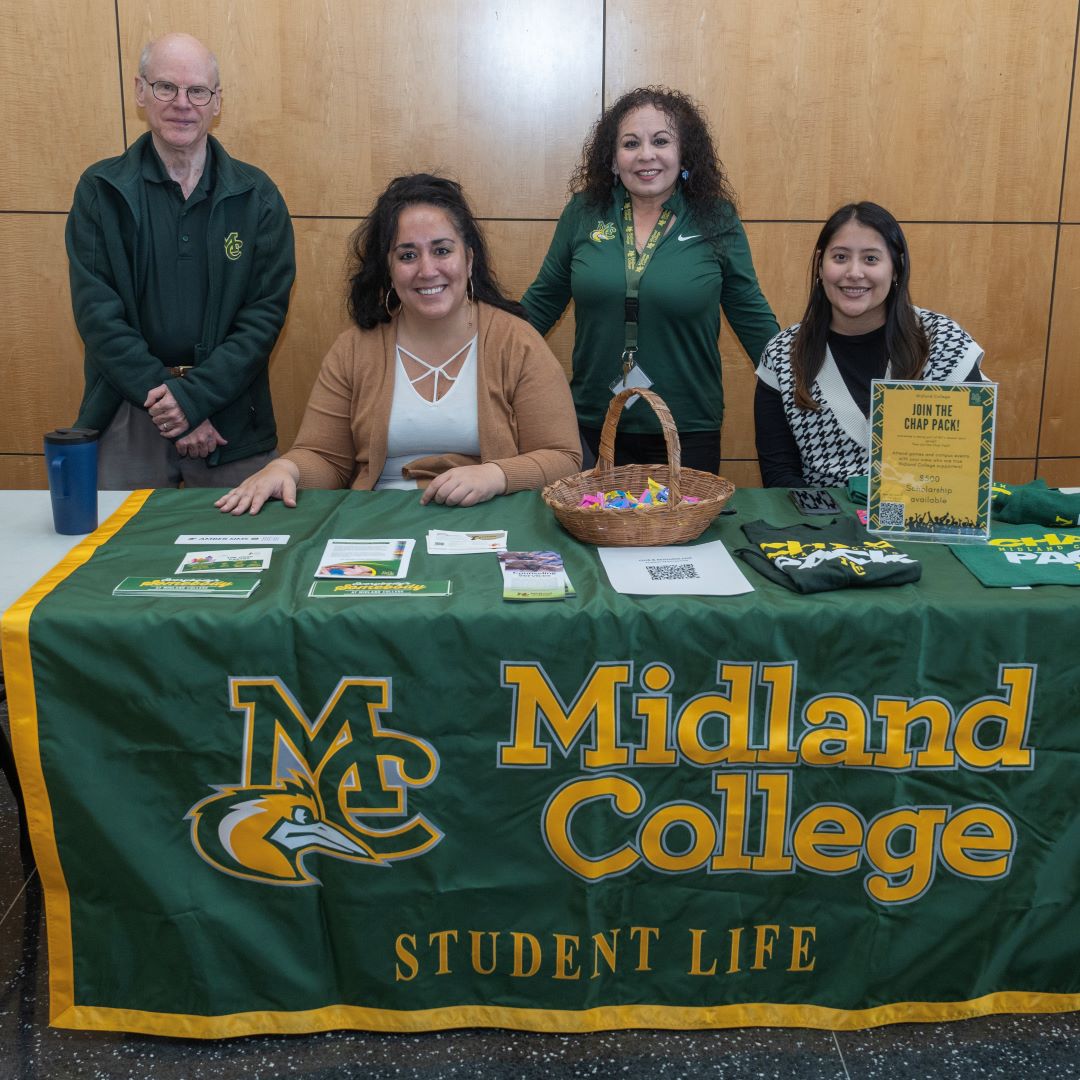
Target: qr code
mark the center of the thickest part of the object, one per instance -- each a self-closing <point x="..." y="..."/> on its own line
<point x="890" y="513"/>
<point x="677" y="572"/>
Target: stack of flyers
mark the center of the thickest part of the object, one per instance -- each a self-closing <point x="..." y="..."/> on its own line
<point x="368" y="589"/>
<point x="534" y="575"/>
<point x="231" y="561"/>
<point x="365" y="559"/>
<point x="442" y="542"/>
<point x="186" y="586"/>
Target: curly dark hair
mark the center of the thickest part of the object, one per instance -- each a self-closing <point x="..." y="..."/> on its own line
<point x="707" y="190"/>
<point x="370" y="244"/>
<point x="905" y="339"/>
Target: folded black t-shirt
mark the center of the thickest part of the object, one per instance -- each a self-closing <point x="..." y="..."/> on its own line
<point x="839" y="554"/>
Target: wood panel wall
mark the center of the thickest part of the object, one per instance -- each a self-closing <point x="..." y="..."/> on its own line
<point x="955" y="116"/>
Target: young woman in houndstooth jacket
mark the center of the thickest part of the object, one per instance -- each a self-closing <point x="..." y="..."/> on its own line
<point x="812" y="402"/>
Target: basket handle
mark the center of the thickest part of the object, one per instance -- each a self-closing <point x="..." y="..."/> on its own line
<point x="605" y="458"/>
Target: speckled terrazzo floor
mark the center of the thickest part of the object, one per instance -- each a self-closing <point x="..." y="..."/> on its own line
<point x="1006" y="1047"/>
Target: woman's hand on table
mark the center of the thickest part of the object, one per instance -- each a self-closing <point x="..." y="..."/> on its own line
<point x="466" y="485"/>
<point x="277" y="480"/>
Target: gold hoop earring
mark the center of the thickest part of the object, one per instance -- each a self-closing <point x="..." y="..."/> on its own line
<point x="386" y="302"/>
<point x="470" y="292"/>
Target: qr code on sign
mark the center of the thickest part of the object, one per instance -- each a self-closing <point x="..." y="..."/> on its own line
<point x="676" y="572"/>
<point x="891" y="514"/>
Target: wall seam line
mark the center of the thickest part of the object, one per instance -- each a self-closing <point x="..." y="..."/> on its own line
<point x="120" y="73"/>
<point x="1057" y="248"/>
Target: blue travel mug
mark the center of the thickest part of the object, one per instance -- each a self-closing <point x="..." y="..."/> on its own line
<point x="71" y="461"/>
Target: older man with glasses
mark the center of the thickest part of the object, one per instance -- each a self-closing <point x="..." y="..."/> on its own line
<point x="181" y="261"/>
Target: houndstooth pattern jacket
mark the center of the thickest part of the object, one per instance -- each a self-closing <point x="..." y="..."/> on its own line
<point x="834" y="441"/>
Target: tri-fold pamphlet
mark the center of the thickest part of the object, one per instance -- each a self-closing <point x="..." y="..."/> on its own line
<point x="534" y="575"/>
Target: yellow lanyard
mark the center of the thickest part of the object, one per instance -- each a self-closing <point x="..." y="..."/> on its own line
<point x="635" y="270"/>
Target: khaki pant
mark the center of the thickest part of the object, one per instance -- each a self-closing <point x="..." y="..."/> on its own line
<point x="132" y="454"/>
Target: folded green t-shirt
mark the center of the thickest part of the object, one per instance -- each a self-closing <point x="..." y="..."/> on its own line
<point x="1024" y="555"/>
<point x="858" y="489"/>
<point x="1035" y="503"/>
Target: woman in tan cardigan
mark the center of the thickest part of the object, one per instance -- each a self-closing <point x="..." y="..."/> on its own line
<point x="441" y="384"/>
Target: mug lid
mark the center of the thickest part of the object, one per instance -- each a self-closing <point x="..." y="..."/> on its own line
<point x="72" y="435"/>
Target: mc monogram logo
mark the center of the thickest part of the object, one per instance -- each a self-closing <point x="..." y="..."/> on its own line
<point x="234" y="246"/>
<point x="337" y="785"/>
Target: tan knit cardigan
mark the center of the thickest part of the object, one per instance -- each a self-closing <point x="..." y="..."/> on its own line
<point x="524" y="410"/>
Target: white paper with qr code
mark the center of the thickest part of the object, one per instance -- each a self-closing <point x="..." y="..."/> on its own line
<point x="705" y="570"/>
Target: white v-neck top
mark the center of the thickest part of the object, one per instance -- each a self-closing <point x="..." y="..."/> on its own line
<point x="421" y="428"/>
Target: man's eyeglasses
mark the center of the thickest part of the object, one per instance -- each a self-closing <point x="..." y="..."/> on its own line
<point x="167" y="91"/>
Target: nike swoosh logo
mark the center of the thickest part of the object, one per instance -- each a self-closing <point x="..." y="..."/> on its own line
<point x="693" y="237"/>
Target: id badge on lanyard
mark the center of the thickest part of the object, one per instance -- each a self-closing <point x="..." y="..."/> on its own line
<point x="632" y="375"/>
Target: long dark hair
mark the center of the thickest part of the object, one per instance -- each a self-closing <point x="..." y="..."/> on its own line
<point x="707" y="191"/>
<point x="370" y="244"/>
<point x="905" y="339"/>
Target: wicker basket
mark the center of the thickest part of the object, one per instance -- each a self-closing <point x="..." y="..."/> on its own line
<point x="648" y="526"/>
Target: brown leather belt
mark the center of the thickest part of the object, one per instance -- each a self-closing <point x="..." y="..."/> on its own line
<point x="179" y="372"/>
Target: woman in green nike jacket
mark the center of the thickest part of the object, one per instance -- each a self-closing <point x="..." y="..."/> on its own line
<point x="650" y="248"/>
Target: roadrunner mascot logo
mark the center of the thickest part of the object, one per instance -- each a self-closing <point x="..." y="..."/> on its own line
<point x="605" y="230"/>
<point x="334" y="786"/>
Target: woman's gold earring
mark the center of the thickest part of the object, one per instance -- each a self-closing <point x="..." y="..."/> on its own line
<point x="386" y="302"/>
<point x="470" y="297"/>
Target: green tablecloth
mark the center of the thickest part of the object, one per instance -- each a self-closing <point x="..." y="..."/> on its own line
<point x="291" y="814"/>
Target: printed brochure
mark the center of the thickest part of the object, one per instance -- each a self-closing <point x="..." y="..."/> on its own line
<point x="365" y="559"/>
<point x="231" y="560"/>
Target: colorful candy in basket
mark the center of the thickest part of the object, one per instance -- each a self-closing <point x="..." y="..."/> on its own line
<point x="654" y="495"/>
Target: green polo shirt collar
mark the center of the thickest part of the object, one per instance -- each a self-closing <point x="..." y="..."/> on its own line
<point x="153" y="169"/>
